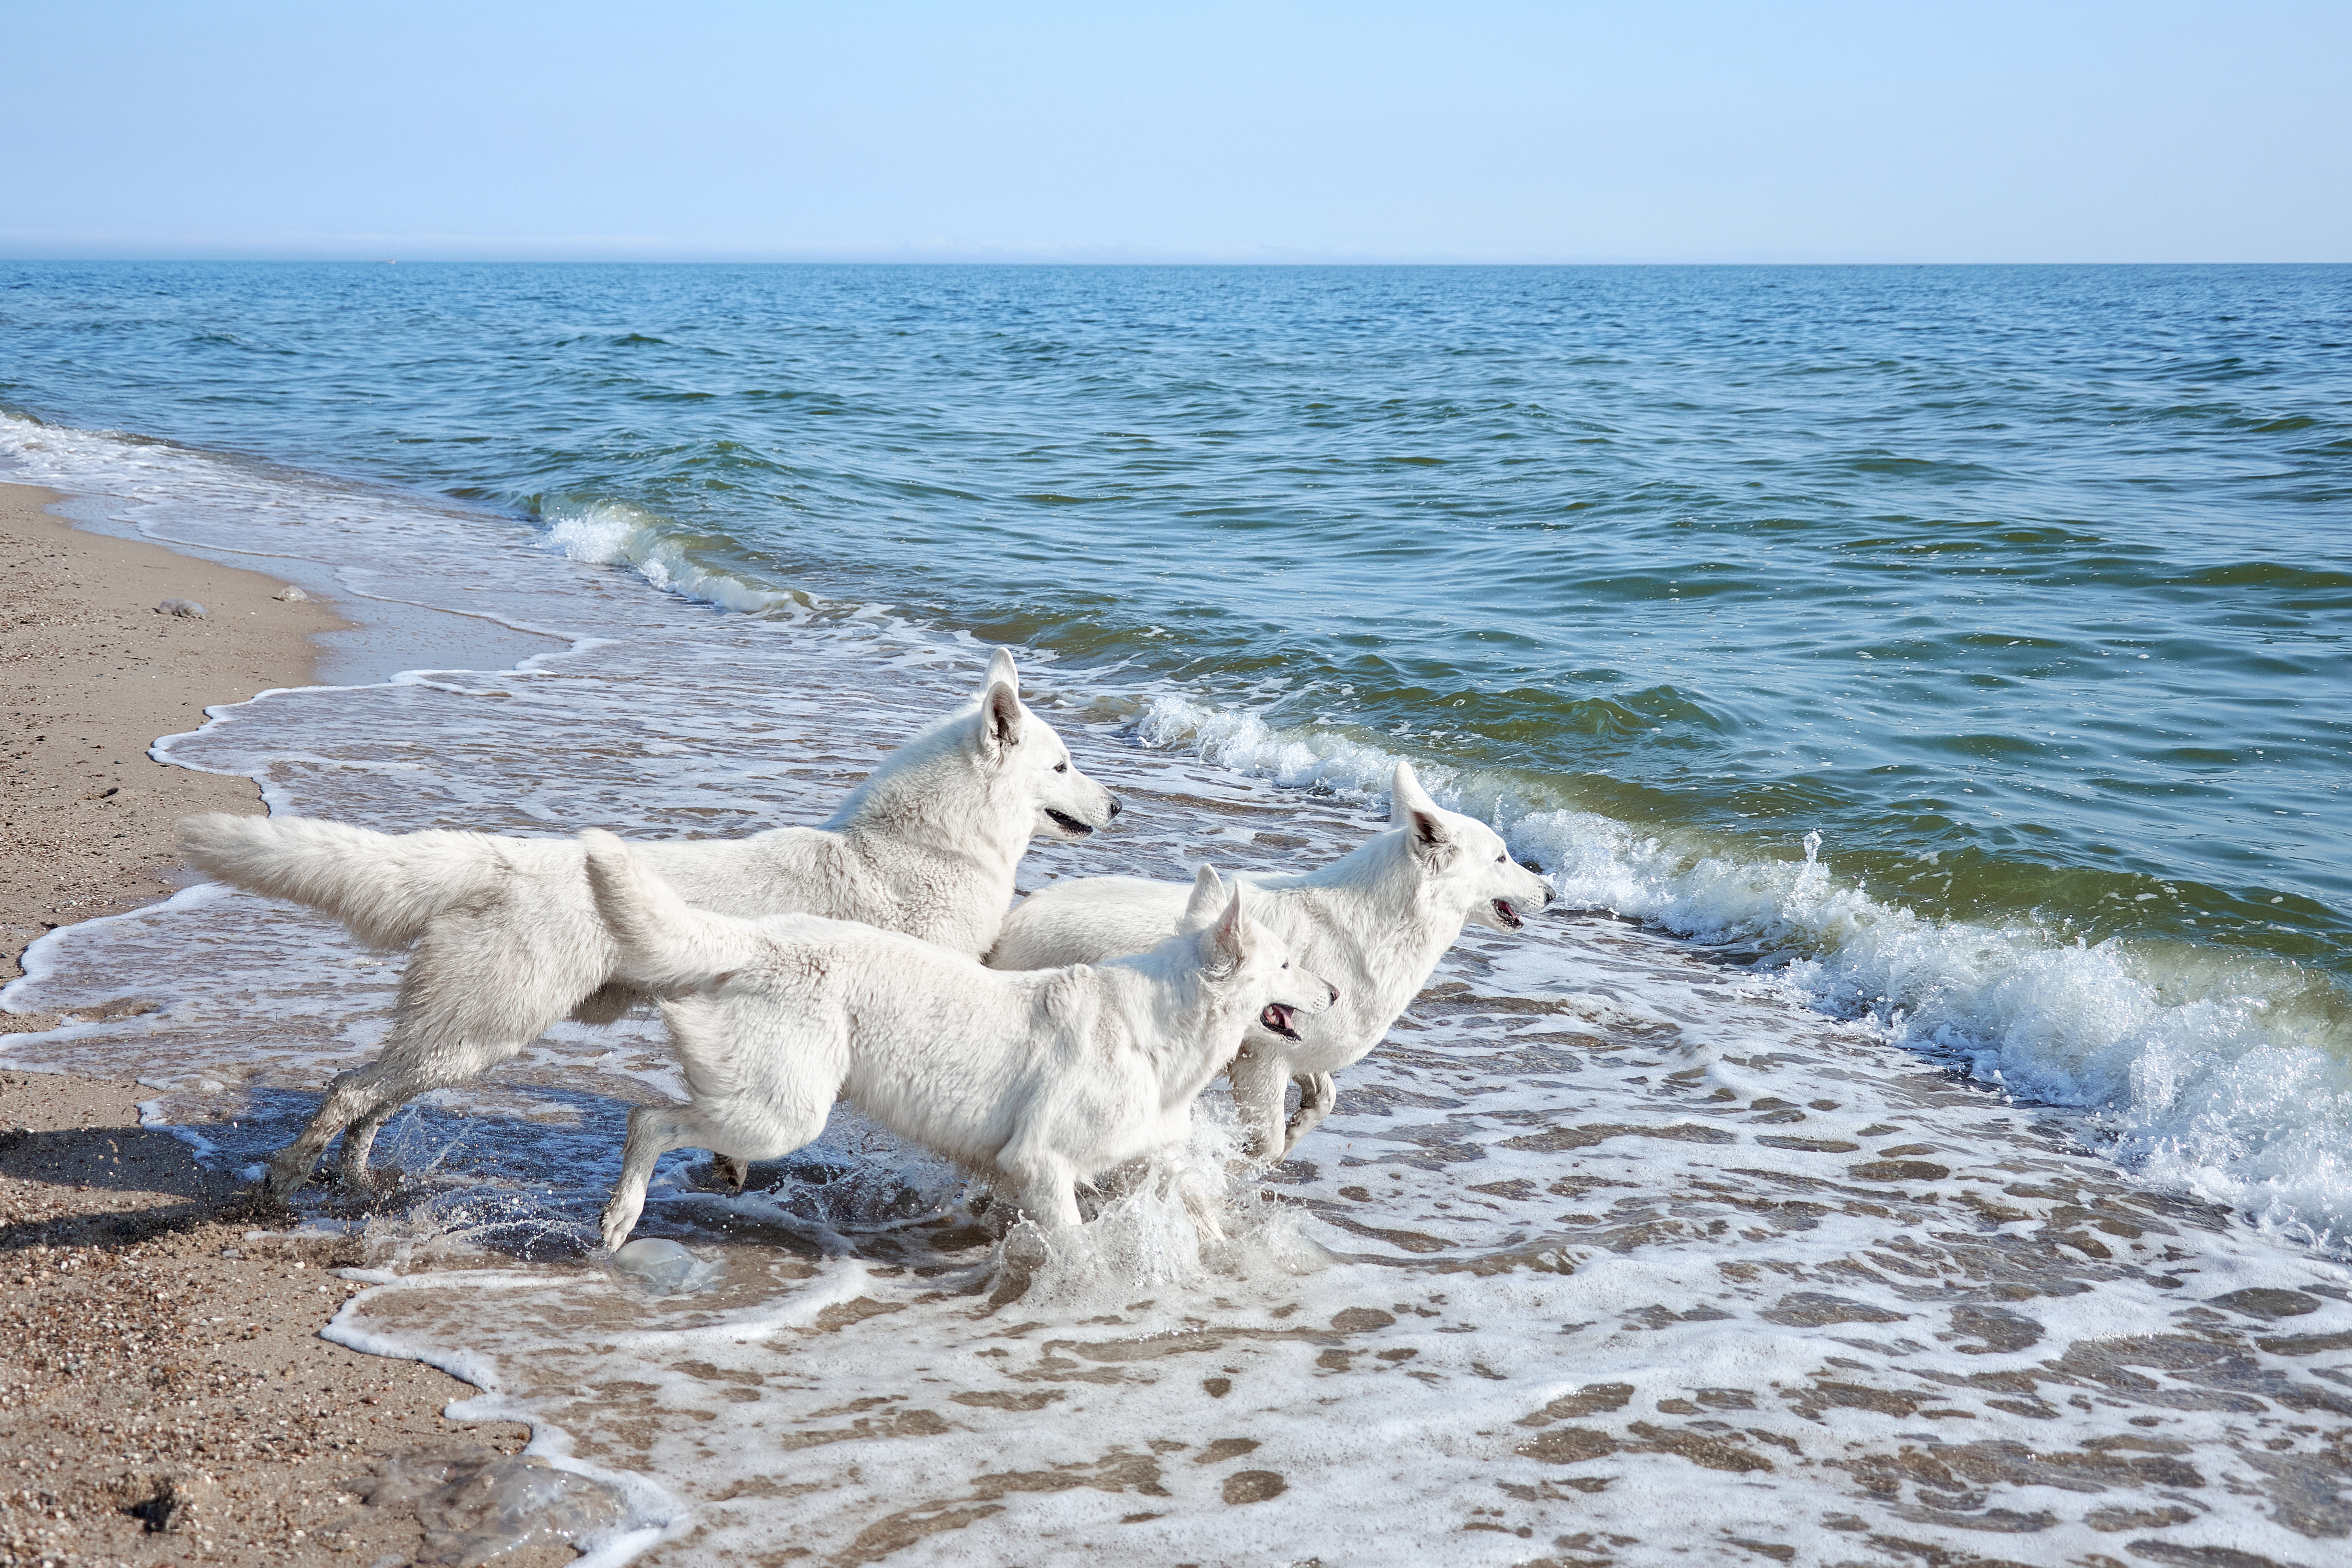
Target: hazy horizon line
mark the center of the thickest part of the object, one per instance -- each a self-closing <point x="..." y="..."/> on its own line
<point x="390" y="256"/>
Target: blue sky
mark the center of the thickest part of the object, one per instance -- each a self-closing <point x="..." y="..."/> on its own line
<point x="1664" y="132"/>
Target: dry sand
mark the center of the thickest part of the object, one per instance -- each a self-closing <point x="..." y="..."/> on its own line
<point x="164" y="1393"/>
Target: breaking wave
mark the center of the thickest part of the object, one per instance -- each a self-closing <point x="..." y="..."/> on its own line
<point x="2218" y="1072"/>
<point x="615" y="534"/>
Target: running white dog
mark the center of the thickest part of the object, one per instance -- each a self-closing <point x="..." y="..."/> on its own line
<point x="1375" y="920"/>
<point x="507" y="937"/>
<point x="1042" y="1079"/>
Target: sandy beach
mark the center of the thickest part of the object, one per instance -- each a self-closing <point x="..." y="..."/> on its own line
<point x="95" y="673"/>
<point x="164" y="1393"/>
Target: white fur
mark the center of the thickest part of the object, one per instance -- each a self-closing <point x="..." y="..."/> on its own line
<point x="1375" y="920"/>
<point x="1041" y="1079"/>
<point x="506" y="936"/>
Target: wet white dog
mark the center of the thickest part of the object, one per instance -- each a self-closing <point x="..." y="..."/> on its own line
<point x="506" y="940"/>
<point x="1041" y="1079"/>
<point x="1376" y="922"/>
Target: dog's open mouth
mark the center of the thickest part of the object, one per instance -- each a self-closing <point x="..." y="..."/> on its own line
<point x="1507" y="914"/>
<point x="1068" y="824"/>
<point x="1277" y="1017"/>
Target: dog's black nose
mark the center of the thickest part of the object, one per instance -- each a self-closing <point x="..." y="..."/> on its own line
<point x="1115" y="807"/>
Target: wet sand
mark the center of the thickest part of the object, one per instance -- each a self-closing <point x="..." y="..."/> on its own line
<point x="94" y="673"/>
<point x="163" y="1392"/>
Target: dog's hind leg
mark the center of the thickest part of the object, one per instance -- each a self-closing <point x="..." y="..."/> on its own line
<point x="359" y="1098"/>
<point x="736" y="1169"/>
<point x="357" y="1104"/>
<point x="1317" y="1093"/>
<point x="359" y="1138"/>
<point x="478" y="989"/>
<point x="608" y="1003"/>
<point x="291" y="1166"/>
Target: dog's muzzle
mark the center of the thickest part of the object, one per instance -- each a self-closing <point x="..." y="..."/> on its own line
<point x="1277" y="1017"/>
<point x="1068" y="824"/>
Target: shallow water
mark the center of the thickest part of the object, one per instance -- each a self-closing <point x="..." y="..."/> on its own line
<point x="1738" y="1074"/>
<point x="2026" y="589"/>
<point x="1618" y="1249"/>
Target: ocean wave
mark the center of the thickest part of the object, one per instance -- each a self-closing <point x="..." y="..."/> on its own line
<point x="616" y="534"/>
<point x="2216" y="1072"/>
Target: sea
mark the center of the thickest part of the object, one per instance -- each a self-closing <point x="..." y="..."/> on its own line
<point x="1920" y="1132"/>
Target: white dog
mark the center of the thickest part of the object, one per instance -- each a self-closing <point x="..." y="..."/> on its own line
<point x="1042" y="1079"/>
<point x="1375" y="920"/>
<point x="508" y="939"/>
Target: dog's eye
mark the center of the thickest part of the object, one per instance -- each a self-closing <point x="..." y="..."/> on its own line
<point x="1061" y="767"/>
<point x="1503" y="856"/>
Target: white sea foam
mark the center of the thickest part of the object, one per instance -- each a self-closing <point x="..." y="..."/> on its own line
<point x="1734" y="1333"/>
<point x="612" y="532"/>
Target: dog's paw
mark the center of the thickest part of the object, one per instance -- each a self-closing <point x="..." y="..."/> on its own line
<point x="363" y="1181"/>
<point x="285" y="1178"/>
<point x="619" y="1220"/>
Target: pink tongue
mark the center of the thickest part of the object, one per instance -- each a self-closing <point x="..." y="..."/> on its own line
<point x="1276" y="1017"/>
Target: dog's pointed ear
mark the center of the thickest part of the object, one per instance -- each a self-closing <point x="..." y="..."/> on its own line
<point x="1208" y="893"/>
<point x="1000" y="717"/>
<point x="1404" y="793"/>
<point x="1232" y="936"/>
<point x="1410" y="806"/>
<point x="1001" y="673"/>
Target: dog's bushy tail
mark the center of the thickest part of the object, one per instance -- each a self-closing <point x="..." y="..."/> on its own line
<point x="383" y="887"/>
<point x="663" y="941"/>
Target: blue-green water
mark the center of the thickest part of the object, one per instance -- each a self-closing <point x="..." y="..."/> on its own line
<point x="2027" y="588"/>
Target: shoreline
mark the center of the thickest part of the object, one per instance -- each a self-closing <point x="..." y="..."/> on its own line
<point x="97" y="675"/>
<point x="166" y="1390"/>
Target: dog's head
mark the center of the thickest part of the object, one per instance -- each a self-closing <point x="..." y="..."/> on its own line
<point x="1238" y="952"/>
<point x="1463" y="860"/>
<point x="1025" y="756"/>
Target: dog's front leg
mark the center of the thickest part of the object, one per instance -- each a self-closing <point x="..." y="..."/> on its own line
<point x="1317" y="1093"/>
<point x="1258" y="1080"/>
<point x="1047" y="1182"/>
<point x="1201" y="1204"/>
<point x="1053" y="1201"/>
